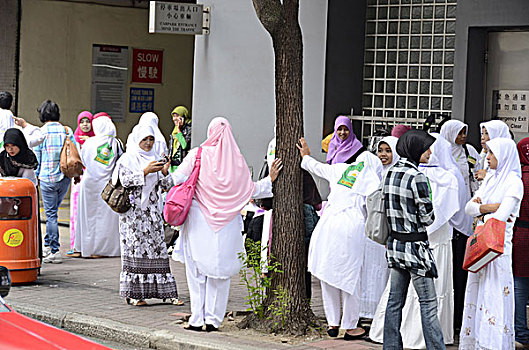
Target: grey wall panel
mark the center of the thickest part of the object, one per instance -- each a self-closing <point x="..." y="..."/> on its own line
<point x="468" y="79"/>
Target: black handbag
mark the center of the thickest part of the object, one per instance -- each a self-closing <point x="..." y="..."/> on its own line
<point x="116" y="196"/>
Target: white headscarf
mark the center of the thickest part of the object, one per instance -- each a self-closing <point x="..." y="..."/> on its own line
<point x="495" y="129"/>
<point x="499" y="184"/>
<point x="136" y="160"/>
<point x="391" y="141"/>
<point x="101" y="152"/>
<point x="441" y="172"/>
<point x="449" y="131"/>
<point x="160" y="144"/>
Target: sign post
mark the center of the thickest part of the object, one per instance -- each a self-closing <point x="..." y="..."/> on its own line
<point x="178" y="18"/>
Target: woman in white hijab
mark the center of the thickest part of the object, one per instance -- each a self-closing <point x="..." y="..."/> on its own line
<point x="337" y="246"/>
<point x="97" y="225"/>
<point x="488" y="317"/>
<point x="160" y="144"/>
<point x="375" y="272"/>
<point x="444" y="188"/>
<point x="145" y="267"/>
<point x="489" y="131"/>
<point x="467" y="160"/>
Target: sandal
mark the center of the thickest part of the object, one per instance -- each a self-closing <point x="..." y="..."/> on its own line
<point x="348" y="336"/>
<point x="174" y="301"/>
<point x="136" y="302"/>
<point x="73" y="254"/>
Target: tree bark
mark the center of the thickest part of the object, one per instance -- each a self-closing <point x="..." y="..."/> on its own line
<point x="281" y="20"/>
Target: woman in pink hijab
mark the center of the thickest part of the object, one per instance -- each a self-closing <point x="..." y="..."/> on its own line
<point x="210" y="239"/>
<point x="344" y="146"/>
<point x="82" y="133"/>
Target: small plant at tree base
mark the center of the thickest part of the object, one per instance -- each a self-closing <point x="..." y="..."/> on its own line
<point x="279" y="307"/>
<point x="256" y="276"/>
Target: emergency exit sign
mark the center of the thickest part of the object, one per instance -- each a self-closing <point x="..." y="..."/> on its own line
<point x="147" y="66"/>
<point x="175" y="18"/>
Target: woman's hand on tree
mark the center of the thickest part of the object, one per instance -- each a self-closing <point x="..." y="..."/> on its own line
<point x="276" y="167"/>
<point x="303" y="147"/>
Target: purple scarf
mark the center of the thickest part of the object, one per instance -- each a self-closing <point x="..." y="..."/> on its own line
<point x="340" y="151"/>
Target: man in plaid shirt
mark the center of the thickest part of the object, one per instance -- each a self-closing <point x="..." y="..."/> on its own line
<point x="409" y="210"/>
<point x="53" y="183"/>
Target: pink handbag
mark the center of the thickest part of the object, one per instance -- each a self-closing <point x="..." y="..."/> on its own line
<point x="179" y="199"/>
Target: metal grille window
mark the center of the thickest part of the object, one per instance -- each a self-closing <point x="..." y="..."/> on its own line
<point x="409" y="60"/>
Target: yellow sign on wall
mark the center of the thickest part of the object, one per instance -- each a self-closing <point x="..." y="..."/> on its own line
<point x="13" y="237"/>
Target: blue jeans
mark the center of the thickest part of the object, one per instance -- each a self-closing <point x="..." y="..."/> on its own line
<point x="424" y="286"/>
<point x="52" y="195"/>
<point x="521" y="294"/>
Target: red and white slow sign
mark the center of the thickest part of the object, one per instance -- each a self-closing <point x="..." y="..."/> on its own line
<point x="147" y="66"/>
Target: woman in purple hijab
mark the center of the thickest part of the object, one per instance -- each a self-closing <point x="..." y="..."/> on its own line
<point x="344" y="146"/>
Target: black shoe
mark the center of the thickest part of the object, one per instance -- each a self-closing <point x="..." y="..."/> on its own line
<point x="348" y="336"/>
<point x="211" y="328"/>
<point x="333" y="332"/>
<point x="193" y="328"/>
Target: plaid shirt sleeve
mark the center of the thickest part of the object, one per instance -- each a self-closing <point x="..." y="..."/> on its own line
<point x="421" y="188"/>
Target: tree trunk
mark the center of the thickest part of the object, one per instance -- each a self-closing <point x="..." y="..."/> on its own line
<point x="288" y="247"/>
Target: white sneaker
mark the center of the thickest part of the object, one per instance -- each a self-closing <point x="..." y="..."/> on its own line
<point x="53" y="258"/>
<point x="46" y="251"/>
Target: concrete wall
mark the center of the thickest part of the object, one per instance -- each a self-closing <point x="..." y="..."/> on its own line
<point x="234" y="76"/>
<point x="474" y="19"/>
<point x="56" y="58"/>
<point x="8" y="47"/>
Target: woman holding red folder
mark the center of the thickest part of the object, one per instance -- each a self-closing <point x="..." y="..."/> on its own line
<point x="488" y="315"/>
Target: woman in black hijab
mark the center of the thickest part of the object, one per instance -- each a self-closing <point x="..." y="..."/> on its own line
<point x="17" y="159"/>
<point x="413" y="143"/>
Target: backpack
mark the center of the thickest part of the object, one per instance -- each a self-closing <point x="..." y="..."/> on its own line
<point x="70" y="162"/>
<point x="179" y="199"/>
<point x="377" y="226"/>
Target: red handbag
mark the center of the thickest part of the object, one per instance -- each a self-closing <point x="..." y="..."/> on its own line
<point x="179" y="199"/>
<point x="485" y="245"/>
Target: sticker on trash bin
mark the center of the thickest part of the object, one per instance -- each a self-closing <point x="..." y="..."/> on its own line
<point x="13" y="237"/>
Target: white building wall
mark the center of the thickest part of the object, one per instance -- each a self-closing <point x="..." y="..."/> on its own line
<point x="234" y="76"/>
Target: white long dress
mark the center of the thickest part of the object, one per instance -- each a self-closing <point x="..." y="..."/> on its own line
<point x="337" y="246"/>
<point x="97" y="227"/>
<point x="488" y="314"/>
<point x="444" y="187"/>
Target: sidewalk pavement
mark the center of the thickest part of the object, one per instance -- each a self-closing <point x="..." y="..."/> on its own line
<point x="82" y="296"/>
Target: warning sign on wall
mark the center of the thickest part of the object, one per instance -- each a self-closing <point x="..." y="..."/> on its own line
<point x="147" y="66"/>
<point x="512" y="107"/>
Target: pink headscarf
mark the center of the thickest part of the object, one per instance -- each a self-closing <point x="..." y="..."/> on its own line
<point x="78" y="132"/>
<point x="101" y="114"/>
<point x="224" y="185"/>
<point x="399" y="130"/>
<point x="340" y="151"/>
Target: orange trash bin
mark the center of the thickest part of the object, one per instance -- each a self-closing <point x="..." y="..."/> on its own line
<point x="18" y="229"/>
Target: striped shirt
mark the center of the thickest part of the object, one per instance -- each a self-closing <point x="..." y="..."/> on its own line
<point x="49" y="151"/>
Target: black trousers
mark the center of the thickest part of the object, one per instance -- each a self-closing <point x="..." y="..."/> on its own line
<point x="459" y="242"/>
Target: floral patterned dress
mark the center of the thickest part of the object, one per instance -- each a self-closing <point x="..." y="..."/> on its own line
<point x="488" y="316"/>
<point x="145" y="271"/>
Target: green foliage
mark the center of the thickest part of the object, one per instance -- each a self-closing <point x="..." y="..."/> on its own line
<point x="279" y="307"/>
<point x="256" y="275"/>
